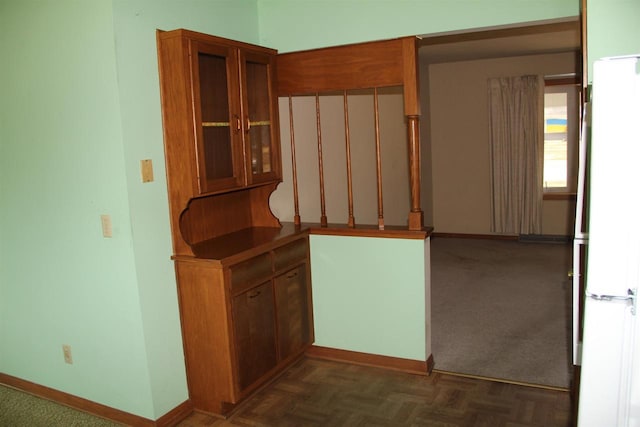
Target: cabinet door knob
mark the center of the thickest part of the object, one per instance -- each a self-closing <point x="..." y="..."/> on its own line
<point x="248" y="122"/>
<point x="237" y="123"/>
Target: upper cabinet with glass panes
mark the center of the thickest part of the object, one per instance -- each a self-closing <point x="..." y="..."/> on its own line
<point x="259" y="126"/>
<point x="221" y="126"/>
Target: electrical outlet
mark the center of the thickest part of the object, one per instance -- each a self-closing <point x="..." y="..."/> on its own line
<point x="66" y="350"/>
<point x="107" y="230"/>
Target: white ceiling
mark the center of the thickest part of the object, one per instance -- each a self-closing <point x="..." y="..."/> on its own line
<point x="554" y="37"/>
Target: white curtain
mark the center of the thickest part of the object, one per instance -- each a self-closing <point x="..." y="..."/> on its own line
<point x="516" y="133"/>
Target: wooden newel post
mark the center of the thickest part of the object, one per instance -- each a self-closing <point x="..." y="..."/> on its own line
<point x="412" y="112"/>
<point x="416" y="217"/>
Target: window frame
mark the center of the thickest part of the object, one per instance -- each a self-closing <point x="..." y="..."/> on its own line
<point x="572" y="85"/>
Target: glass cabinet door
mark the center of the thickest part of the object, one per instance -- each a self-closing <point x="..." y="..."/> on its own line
<point x="217" y="124"/>
<point x="262" y="157"/>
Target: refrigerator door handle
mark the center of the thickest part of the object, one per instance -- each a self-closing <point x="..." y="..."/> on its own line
<point x="631" y="296"/>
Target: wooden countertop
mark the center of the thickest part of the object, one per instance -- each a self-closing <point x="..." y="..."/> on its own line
<point x="246" y="243"/>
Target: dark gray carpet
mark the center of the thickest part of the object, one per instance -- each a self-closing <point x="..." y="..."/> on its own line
<point x="502" y="309"/>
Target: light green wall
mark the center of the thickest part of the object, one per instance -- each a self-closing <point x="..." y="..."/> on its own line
<point x="79" y="109"/>
<point x="61" y="168"/>
<point x="135" y="24"/>
<point x="612" y="29"/>
<point x="371" y="295"/>
<point x="290" y="25"/>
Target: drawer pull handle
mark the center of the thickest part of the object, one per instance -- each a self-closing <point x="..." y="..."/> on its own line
<point x="292" y="275"/>
<point x="255" y="294"/>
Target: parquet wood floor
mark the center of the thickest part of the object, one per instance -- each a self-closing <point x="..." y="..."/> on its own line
<point x="323" y="393"/>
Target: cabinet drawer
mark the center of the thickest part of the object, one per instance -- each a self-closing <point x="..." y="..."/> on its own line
<point x="286" y="255"/>
<point x="253" y="270"/>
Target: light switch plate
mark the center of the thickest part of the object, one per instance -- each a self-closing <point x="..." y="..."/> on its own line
<point x="146" y="168"/>
<point x="107" y="229"/>
<point x="66" y="351"/>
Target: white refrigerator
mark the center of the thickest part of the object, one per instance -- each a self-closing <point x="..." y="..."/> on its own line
<point x="609" y="353"/>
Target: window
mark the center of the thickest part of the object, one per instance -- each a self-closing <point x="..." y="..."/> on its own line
<point x="561" y="118"/>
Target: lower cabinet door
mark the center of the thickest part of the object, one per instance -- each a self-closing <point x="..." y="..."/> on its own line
<point x="253" y="318"/>
<point x="293" y="311"/>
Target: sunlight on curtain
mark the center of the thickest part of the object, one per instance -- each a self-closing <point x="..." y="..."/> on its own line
<point x="516" y="137"/>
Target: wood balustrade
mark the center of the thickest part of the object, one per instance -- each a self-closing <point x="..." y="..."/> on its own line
<point x="372" y="66"/>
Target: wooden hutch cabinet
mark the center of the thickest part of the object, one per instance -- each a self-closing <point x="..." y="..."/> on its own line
<point x="243" y="278"/>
